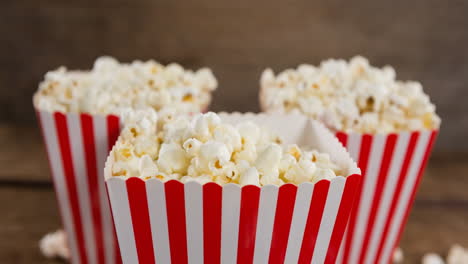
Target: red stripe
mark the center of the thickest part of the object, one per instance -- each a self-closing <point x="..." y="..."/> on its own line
<point x="314" y="218"/>
<point x="92" y="173"/>
<point x="247" y="223"/>
<point x="175" y="204"/>
<point x="140" y="220"/>
<point x="364" y="154"/>
<point x="380" y="185"/>
<point x="38" y="115"/>
<point x="282" y="224"/>
<point x="212" y="198"/>
<point x="413" y="193"/>
<point x="113" y="131"/>
<point x="64" y="142"/>
<point x="344" y="211"/>
<point x="401" y="180"/>
<point x="343" y="138"/>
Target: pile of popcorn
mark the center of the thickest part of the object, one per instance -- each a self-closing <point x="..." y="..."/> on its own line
<point x="457" y="255"/>
<point x="204" y="149"/>
<point x="111" y="87"/>
<point x="350" y="96"/>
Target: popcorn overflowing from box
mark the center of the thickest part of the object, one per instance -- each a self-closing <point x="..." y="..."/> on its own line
<point x="80" y="116"/>
<point x="388" y="126"/>
<point x="218" y="188"/>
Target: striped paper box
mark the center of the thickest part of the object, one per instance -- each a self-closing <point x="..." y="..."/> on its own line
<point x="77" y="146"/>
<point x="172" y="222"/>
<point x="392" y="166"/>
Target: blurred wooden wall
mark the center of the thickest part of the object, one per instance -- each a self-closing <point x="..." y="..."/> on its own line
<point x="424" y="40"/>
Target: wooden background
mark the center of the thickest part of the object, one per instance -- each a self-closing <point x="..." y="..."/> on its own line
<point x="424" y="40"/>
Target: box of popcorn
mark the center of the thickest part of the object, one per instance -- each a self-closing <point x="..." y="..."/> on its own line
<point x="388" y="127"/>
<point x="80" y="113"/>
<point x="230" y="188"/>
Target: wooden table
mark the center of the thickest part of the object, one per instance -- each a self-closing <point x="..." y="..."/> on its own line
<point x="29" y="210"/>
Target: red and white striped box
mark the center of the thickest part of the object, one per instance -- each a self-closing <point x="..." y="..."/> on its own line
<point x="77" y="146"/>
<point x="172" y="222"/>
<point x="392" y="166"/>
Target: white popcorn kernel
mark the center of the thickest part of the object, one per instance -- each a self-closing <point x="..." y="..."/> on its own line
<point x="174" y="70"/>
<point x="398" y="256"/>
<point x="147" y="167"/>
<point x="457" y="255"/>
<point x="172" y="158"/>
<point x="269" y="158"/>
<point x="250" y="177"/>
<point x="247" y="153"/>
<point x="287" y="161"/>
<point x="192" y="146"/>
<point x="201" y="128"/>
<point x="303" y="171"/>
<point x="205" y="78"/>
<point x="55" y="245"/>
<point x="432" y="258"/>
<point x="105" y="64"/>
<point x="249" y="132"/>
<point x="202" y="179"/>
<point x="228" y="135"/>
<point x="215" y="151"/>
<point x="267" y="78"/>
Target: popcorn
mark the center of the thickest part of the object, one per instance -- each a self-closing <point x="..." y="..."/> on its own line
<point x="110" y="87"/>
<point x="398" y="256"/>
<point x="202" y="148"/>
<point x="55" y="245"/>
<point x="457" y="255"/>
<point x="432" y="258"/>
<point x="350" y="96"/>
<point x="250" y="177"/>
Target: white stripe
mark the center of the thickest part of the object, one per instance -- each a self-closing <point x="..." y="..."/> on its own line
<point x="158" y="220"/>
<point x="265" y="222"/>
<point x="383" y="209"/>
<point x="298" y="222"/>
<point x="339" y="258"/>
<point x="368" y="189"/>
<point x="405" y="194"/>
<point x="81" y="179"/>
<point x="194" y="221"/>
<point x="122" y="218"/>
<point x="100" y="142"/>
<point x="354" y="146"/>
<point x="230" y="223"/>
<point x="53" y="150"/>
<point x="335" y="192"/>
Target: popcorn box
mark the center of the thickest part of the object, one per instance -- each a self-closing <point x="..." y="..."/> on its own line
<point x="392" y="166"/>
<point x="77" y="146"/>
<point x="172" y="222"/>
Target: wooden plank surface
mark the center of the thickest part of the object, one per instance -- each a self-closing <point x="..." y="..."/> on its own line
<point x="29" y="207"/>
<point x="424" y="39"/>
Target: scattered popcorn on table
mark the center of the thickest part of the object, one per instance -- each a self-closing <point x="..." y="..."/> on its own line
<point x="202" y="148"/>
<point x="112" y="86"/>
<point x="457" y="255"/>
<point x="432" y="258"/>
<point x="55" y="245"/>
<point x="350" y="96"/>
<point x="398" y="256"/>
